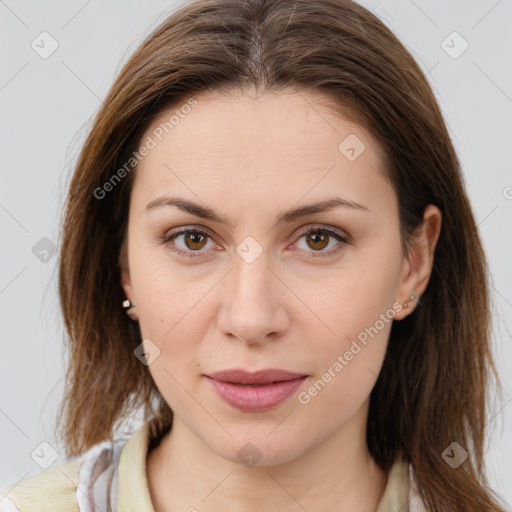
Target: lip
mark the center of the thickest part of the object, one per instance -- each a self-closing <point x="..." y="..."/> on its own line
<point x="258" y="391"/>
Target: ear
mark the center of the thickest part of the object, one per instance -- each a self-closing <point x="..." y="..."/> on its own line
<point x="417" y="267"/>
<point x="126" y="281"/>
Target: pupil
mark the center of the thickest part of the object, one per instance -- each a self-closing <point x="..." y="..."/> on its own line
<point x="193" y="237"/>
<point x="319" y="238"/>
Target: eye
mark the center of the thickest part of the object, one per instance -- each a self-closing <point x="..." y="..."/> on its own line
<point x="317" y="239"/>
<point x="320" y="237"/>
<point x="193" y="239"/>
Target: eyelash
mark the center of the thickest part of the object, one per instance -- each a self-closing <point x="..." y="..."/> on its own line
<point x="338" y="235"/>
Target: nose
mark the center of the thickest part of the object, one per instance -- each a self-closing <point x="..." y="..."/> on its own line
<point x="253" y="310"/>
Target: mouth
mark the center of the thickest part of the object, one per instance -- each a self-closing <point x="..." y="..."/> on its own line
<point x="258" y="391"/>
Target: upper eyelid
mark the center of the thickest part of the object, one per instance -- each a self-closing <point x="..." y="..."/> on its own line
<point x="312" y="226"/>
<point x="300" y="232"/>
<point x="180" y="231"/>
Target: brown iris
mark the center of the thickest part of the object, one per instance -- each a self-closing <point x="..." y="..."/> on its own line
<point x="195" y="238"/>
<point x="320" y="240"/>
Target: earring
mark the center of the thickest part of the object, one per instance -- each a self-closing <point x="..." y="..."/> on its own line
<point x="128" y="307"/>
<point x="406" y="304"/>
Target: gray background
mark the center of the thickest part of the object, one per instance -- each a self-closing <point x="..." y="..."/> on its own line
<point x="46" y="105"/>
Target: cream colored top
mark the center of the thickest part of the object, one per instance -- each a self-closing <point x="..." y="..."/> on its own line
<point x="111" y="476"/>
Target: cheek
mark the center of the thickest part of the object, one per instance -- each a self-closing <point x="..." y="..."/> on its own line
<point x="352" y="296"/>
<point x="357" y="307"/>
<point x="346" y="374"/>
<point x="171" y="315"/>
<point x="174" y="313"/>
<point x="165" y="292"/>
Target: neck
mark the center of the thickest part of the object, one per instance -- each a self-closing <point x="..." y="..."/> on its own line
<point x="339" y="474"/>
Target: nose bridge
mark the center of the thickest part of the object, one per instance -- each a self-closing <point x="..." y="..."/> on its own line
<point x="252" y="278"/>
<point x="252" y="309"/>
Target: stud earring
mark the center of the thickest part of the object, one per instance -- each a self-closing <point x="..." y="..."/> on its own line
<point x="406" y="304"/>
<point x="128" y="307"/>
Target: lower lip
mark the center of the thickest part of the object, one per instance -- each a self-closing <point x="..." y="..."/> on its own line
<point x="256" y="398"/>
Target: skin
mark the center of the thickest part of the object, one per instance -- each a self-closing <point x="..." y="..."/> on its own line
<point x="249" y="157"/>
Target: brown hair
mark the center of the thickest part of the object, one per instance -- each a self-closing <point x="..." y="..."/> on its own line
<point x="433" y="386"/>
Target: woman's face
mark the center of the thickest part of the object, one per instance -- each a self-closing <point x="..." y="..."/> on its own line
<point x="251" y="289"/>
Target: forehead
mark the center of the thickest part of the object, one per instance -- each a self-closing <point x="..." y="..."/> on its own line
<point x="272" y="140"/>
<point x="248" y="122"/>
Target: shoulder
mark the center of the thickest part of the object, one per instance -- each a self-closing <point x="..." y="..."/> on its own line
<point x="50" y="489"/>
<point x="67" y="487"/>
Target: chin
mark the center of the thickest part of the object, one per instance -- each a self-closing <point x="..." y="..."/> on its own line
<point x="257" y="448"/>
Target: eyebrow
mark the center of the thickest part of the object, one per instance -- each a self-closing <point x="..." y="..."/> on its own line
<point x="286" y="216"/>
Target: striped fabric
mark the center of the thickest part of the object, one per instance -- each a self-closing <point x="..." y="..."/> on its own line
<point x="111" y="477"/>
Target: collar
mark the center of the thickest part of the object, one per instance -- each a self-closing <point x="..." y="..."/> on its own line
<point x="396" y="493"/>
<point x="133" y="489"/>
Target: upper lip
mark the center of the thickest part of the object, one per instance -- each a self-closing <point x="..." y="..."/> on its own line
<point x="239" y="376"/>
